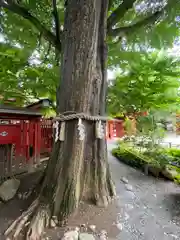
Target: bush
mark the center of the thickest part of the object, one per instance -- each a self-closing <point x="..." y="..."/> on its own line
<point x="155" y="161"/>
<point x="173" y="156"/>
<point x="173" y="152"/>
<point x="130" y="156"/>
<point x="139" y="141"/>
<point x="159" y="156"/>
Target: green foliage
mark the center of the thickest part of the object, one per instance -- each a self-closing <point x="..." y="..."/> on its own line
<point x="128" y="126"/>
<point x="29" y="71"/>
<point x="29" y="31"/>
<point x="159" y="156"/>
<point x="148" y="126"/>
<point x="173" y="152"/>
<point x="154" y="153"/>
<point x="174" y="155"/>
<point x="144" y="39"/>
<point x="151" y="82"/>
<point x="48" y="112"/>
<point x="18" y="31"/>
<point x="155" y="162"/>
<point x="133" y="37"/>
<point x="145" y="124"/>
<point x="23" y="80"/>
<point x="130" y="156"/>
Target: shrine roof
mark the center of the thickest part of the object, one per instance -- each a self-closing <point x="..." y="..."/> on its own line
<point x="18" y="111"/>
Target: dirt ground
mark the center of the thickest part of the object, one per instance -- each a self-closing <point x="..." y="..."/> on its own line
<point x="87" y="214"/>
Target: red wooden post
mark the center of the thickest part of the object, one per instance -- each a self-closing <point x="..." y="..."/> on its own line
<point x="26" y="139"/>
<point x="42" y="135"/>
<point x="19" y="147"/>
<point x="38" y="140"/>
<point x="111" y="129"/>
<point x="107" y="130"/>
<point x="50" y="135"/>
<point x="119" y="129"/>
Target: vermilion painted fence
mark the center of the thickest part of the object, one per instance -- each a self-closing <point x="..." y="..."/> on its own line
<point x="46" y="136"/>
<point x="20" y="133"/>
<point x="25" y="137"/>
<point x="115" y="129"/>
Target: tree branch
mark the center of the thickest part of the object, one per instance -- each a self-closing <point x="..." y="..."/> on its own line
<point x="119" y="13"/>
<point x="39" y="39"/>
<point x="124" y="31"/>
<point x="56" y="20"/>
<point x="46" y="55"/>
<point x="23" y="12"/>
<point x="110" y="4"/>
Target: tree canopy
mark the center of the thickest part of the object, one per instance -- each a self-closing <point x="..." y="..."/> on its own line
<point x="31" y="45"/>
<point x="132" y="27"/>
<point x="126" y="20"/>
<point x="24" y="79"/>
<point x="149" y="83"/>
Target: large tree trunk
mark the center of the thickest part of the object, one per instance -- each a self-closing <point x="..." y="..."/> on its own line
<point x="82" y="165"/>
<point x="78" y="170"/>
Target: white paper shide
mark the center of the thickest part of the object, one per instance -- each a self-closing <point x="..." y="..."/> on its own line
<point x="81" y="129"/>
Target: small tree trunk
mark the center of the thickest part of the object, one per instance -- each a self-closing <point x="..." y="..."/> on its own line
<point x="78" y="169"/>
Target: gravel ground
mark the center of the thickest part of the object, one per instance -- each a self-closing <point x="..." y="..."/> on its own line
<point x="151" y="210"/>
<point x="146" y="208"/>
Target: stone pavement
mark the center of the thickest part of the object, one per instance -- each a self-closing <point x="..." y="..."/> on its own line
<point x="149" y="208"/>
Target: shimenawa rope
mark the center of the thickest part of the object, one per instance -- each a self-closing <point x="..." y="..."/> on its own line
<point x="72" y="115"/>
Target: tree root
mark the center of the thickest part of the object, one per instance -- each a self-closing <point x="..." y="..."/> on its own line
<point x="105" y="196"/>
<point x="33" y="221"/>
<point x="102" y="201"/>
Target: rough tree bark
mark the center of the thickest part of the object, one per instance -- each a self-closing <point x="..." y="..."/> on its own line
<point x="77" y="169"/>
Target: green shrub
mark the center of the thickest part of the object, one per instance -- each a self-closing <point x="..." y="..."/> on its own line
<point x="130" y="156"/>
<point x="173" y="152"/>
<point x="158" y="159"/>
<point x="159" y="156"/>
